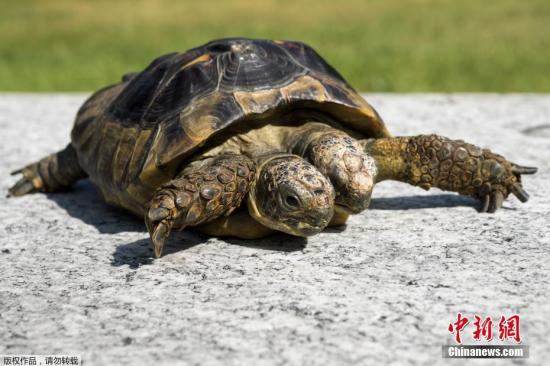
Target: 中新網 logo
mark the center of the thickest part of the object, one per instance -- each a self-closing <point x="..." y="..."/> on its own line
<point x="505" y="329"/>
<point x="508" y="328"/>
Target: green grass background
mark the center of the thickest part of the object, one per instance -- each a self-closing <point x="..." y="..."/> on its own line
<point x="378" y="45"/>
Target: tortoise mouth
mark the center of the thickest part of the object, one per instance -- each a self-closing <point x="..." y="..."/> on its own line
<point x="353" y="205"/>
<point x="344" y="209"/>
<point x="351" y="209"/>
<point x="310" y="223"/>
<point x="309" y="230"/>
<point x="305" y="224"/>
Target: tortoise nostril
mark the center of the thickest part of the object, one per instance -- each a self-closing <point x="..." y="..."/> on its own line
<point x="318" y="192"/>
<point x="292" y="201"/>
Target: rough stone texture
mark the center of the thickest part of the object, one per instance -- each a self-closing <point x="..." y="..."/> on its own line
<point x="77" y="276"/>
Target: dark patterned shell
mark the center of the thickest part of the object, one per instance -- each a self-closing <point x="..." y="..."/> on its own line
<point x="133" y="136"/>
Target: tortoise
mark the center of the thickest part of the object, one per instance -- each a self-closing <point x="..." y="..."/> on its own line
<point x="244" y="137"/>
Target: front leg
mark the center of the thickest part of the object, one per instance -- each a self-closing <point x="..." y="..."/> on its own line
<point x="204" y="191"/>
<point x="451" y="165"/>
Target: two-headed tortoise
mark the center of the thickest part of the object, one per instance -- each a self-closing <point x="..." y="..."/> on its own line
<point x="189" y="139"/>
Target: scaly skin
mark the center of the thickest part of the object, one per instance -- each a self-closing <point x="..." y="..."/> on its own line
<point x="53" y="173"/>
<point x="452" y="165"/>
<point x="342" y="159"/>
<point x="202" y="192"/>
<point x="285" y="193"/>
<point x="294" y="193"/>
<point x="291" y="195"/>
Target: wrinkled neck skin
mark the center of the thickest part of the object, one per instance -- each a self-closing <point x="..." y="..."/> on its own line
<point x="388" y="156"/>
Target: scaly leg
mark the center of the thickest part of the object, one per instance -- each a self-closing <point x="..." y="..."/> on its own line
<point x="451" y="165"/>
<point x="53" y="173"/>
<point x="204" y="191"/>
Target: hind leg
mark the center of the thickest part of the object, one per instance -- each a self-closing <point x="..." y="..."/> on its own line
<point x="53" y="173"/>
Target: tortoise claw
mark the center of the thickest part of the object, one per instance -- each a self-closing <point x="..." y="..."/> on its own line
<point x="499" y="183"/>
<point x="22" y="187"/>
<point x="16" y="171"/>
<point x="158" y="230"/>
<point x="159" y="220"/>
<point x="518" y="169"/>
<point x="519" y="192"/>
<point x="496" y="202"/>
<point x="485" y="204"/>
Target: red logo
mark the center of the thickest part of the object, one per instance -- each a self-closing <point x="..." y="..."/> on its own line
<point x="457" y="327"/>
<point x="484" y="329"/>
<point x="507" y="328"/>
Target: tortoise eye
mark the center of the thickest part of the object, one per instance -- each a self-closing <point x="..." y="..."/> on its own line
<point x="292" y="201"/>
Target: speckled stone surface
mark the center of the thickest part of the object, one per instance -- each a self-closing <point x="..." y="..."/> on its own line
<point x="76" y="276"/>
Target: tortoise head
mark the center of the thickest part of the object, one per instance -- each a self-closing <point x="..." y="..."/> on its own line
<point x="291" y="195"/>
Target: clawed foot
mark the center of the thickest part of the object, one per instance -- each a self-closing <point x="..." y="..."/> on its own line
<point x="30" y="182"/>
<point x="52" y="173"/>
<point x="160" y="220"/>
<point x="454" y="165"/>
<point x="502" y="178"/>
<point x="209" y="189"/>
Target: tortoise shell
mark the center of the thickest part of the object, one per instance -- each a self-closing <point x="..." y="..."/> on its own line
<point x="133" y="136"/>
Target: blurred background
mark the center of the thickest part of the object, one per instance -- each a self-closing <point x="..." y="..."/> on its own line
<point x="378" y="45"/>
